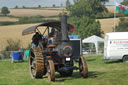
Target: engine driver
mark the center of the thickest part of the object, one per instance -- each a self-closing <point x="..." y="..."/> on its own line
<point x="36" y="39"/>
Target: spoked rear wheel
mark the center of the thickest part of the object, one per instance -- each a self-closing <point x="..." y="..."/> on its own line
<point x="51" y="70"/>
<point x="83" y="67"/>
<point x="36" y="63"/>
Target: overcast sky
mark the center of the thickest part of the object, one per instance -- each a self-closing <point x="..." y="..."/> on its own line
<point x="35" y="3"/>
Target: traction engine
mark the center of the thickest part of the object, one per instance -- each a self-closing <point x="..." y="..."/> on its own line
<point x="52" y="51"/>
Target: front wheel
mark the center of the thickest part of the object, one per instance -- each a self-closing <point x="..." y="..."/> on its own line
<point x="83" y="68"/>
<point x="125" y="58"/>
<point x="51" y="70"/>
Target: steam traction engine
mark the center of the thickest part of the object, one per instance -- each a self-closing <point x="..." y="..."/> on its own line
<point x="52" y="51"/>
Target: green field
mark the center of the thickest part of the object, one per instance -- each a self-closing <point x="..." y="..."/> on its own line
<point x="101" y="72"/>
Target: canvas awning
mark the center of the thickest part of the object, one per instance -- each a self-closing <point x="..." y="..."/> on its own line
<point x="94" y="39"/>
<point x="56" y="24"/>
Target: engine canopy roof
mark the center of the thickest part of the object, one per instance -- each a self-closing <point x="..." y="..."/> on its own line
<point x="55" y="24"/>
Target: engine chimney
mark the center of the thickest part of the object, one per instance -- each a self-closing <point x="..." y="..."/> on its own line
<point x="64" y="28"/>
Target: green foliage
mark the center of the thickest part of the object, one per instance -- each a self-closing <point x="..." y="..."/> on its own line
<point x="80" y="8"/>
<point x="92" y="7"/>
<point x="39" y="6"/>
<point x="83" y="16"/>
<point x="5" y="11"/>
<point x="23" y="7"/>
<point x="87" y="8"/>
<point x="86" y="26"/>
<point x="61" y="5"/>
<point x="13" y="45"/>
<point x="7" y="23"/>
<point x="25" y="20"/>
<point x="101" y="72"/>
<point x="123" y="25"/>
<point x="53" y="5"/>
<point x="125" y="2"/>
<point x="5" y="55"/>
<point x="104" y="1"/>
<point x="97" y="6"/>
<point x="29" y="46"/>
<point x="110" y="15"/>
<point x="16" y="7"/>
<point x="68" y="5"/>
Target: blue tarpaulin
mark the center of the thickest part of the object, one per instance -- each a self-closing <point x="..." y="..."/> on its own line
<point x="73" y="36"/>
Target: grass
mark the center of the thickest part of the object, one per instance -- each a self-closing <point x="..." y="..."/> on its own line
<point x="101" y="72"/>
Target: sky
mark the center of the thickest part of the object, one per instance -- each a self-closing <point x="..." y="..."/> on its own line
<point x="111" y="2"/>
<point x="35" y="3"/>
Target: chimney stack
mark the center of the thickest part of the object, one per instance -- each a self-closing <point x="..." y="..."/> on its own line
<point x="64" y="27"/>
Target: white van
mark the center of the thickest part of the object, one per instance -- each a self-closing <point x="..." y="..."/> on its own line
<point x="116" y="46"/>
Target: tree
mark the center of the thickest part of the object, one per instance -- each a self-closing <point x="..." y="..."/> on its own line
<point x="123" y="25"/>
<point x="125" y="2"/>
<point x="13" y="45"/>
<point x="87" y="7"/>
<point x="104" y="1"/>
<point x="23" y="7"/>
<point x="53" y="5"/>
<point x="61" y="5"/>
<point x="86" y="26"/>
<point x="5" y="11"/>
<point x="68" y="4"/>
<point x="80" y="8"/>
<point x="83" y="16"/>
<point x="74" y="1"/>
<point x="98" y="6"/>
<point x="16" y="7"/>
<point x="39" y="6"/>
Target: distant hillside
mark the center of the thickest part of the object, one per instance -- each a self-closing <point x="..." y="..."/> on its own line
<point x="43" y="11"/>
<point x="14" y="31"/>
<point x="46" y="12"/>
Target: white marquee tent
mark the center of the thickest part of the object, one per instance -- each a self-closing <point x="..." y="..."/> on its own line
<point x="94" y="39"/>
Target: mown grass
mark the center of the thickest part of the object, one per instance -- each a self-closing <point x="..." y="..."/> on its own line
<point x="101" y="72"/>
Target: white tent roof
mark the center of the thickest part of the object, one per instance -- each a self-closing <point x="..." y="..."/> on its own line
<point x="93" y="39"/>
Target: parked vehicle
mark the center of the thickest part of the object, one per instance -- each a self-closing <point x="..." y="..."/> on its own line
<point x="116" y="46"/>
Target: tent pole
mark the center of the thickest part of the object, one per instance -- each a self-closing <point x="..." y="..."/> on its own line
<point x="114" y="15"/>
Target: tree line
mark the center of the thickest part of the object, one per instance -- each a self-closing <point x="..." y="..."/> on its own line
<point x="123" y="24"/>
<point x="83" y="15"/>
